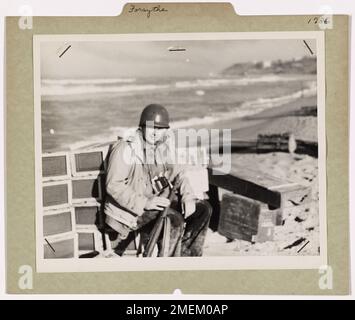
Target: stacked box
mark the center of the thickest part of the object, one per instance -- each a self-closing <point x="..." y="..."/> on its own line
<point x="56" y="195"/>
<point x="72" y="188"/>
<point x="246" y="219"/>
<point x="86" y="189"/>
<point x="88" y="162"/>
<point x="57" y="222"/>
<point x="87" y="214"/>
<point x="60" y="247"/>
<point x="55" y="166"/>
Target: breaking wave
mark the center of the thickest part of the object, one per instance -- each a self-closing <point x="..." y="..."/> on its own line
<point x="247" y="108"/>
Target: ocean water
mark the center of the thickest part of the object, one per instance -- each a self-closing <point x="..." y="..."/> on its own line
<point x="76" y="112"/>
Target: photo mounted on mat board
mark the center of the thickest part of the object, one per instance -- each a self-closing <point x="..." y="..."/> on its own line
<point x="180" y="151"/>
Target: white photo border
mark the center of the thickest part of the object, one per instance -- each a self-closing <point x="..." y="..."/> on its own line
<point x="186" y="263"/>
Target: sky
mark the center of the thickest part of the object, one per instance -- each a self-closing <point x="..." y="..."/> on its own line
<point x="135" y="59"/>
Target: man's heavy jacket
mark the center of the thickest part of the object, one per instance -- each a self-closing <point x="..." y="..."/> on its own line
<point x="128" y="184"/>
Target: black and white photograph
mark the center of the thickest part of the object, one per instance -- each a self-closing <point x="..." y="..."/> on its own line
<point x="201" y="151"/>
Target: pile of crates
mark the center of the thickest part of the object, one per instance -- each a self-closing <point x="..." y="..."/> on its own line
<point x="72" y="193"/>
<point x="252" y="203"/>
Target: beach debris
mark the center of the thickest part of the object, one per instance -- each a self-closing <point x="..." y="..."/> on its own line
<point x="298" y="219"/>
<point x="275" y="142"/>
<point x="306" y="111"/>
<point x="298" y="203"/>
<point x="200" y="92"/>
<point x="51" y="131"/>
<point x="292" y="186"/>
<point x="292" y="144"/>
<point x="92" y="254"/>
<point x="271" y="143"/>
<point x="295" y="244"/>
<point x="294" y="203"/>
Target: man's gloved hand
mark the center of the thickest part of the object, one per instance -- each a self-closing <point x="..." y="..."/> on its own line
<point x="157" y="203"/>
<point x="189" y="207"/>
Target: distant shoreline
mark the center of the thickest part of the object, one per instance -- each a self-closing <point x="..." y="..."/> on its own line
<point x="218" y="106"/>
<point x="280" y="120"/>
<point x="273" y="121"/>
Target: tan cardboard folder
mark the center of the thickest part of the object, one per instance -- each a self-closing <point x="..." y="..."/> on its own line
<point x="169" y="18"/>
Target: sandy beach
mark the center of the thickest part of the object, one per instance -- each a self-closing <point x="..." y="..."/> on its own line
<point x="299" y="223"/>
<point x="263" y="106"/>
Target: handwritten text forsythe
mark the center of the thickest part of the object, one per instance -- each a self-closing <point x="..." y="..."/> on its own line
<point x="147" y="11"/>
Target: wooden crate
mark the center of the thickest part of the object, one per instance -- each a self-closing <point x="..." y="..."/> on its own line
<point x="86" y="189"/>
<point x="246" y="219"/>
<point x="60" y="246"/>
<point x="263" y="187"/>
<point x="88" y="162"/>
<point x="273" y="142"/>
<point x="293" y="194"/>
<point x="249" y="183"/>
<point x="266" y="225"/>
<point x="87" y="214"/>
<point x="56" y="222"/>
<point x="89" y="241"/>
<point x="56" y="195"/>
<point x="72" y="188"/>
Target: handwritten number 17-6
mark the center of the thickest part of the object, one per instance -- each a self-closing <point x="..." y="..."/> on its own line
<point x="317" y="20"/>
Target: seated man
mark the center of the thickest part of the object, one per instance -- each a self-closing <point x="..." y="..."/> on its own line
<point x="137" y="192"/>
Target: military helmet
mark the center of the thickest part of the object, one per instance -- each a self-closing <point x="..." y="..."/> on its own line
<point x="155" y="113"/>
